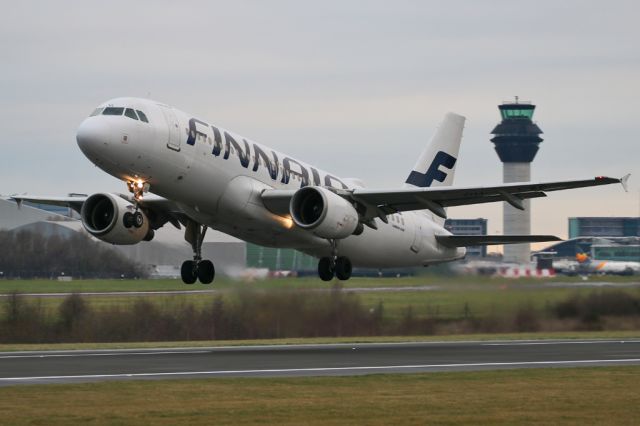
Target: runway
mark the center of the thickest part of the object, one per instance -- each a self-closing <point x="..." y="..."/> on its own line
<point x="309" y="360"/>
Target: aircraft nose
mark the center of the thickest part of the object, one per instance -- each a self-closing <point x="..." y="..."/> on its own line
<point x="93" y="134"/>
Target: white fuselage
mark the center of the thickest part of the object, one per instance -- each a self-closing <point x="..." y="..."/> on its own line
<point x="216" y="177"/>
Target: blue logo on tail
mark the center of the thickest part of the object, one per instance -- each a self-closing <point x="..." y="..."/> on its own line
<point x="424" y="180"/>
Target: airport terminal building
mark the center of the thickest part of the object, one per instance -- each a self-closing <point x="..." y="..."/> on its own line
<point x="626" y="249"/>
<point x="279" y="259"/>
<point x="469" y="227"/>
<point x="604" y="227"/>
<point x="602" y="238"/>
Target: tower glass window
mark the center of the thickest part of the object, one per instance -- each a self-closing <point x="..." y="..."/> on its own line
<point x="526" y="112"/>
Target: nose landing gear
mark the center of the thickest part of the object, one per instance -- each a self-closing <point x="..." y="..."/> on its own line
<point x="338" y="266"/>
<point x="138" y="189"/>
<point x="197" y="269"/>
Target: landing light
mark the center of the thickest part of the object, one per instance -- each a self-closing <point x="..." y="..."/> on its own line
<point x="138" y="188"/>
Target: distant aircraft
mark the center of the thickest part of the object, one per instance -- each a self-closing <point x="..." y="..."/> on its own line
<point x="204" y="176"/>
<point x="584" y="265"/>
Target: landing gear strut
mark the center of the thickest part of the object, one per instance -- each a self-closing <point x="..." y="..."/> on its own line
<point x="135" y="219"/>
<point x="338" y="266"/>
<point x="138" y="188"/>
<point x="197" y="269"/>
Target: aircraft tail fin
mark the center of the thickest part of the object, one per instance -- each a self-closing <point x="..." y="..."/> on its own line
<point x="436" y="164"/>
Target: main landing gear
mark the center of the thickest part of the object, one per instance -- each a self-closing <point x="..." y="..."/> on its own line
<point x="134" y="219"/>
<point x="338" y="266"/>
<point x="197" y="269"/>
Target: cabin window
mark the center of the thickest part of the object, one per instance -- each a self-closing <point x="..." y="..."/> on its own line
<point x="113" y="111"/>
<point x="96" y="111"/>
<point x="142" y="116"/>
<point x="130" y="113"/>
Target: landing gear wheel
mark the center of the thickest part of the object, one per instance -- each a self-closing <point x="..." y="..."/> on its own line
<point x="325" y="269"/>
<point x="197" y="268"/>
<point x="206" y="271"/>
<point x="128" y="220"/>
<point x="189" y="272"/>
<point x="343" y="268"/>
<point x="138" y="219"/>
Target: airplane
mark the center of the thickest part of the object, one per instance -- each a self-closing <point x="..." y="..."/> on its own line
<point x="182" y="170"/>
<point x="584" y="265"/>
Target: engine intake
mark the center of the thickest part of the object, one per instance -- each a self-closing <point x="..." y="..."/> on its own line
<point x="327" y="214"/>
<point x="103" y="216"/>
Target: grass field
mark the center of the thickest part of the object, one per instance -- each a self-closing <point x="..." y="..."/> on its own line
<point x="405" y="306"/>
<point x="445" y="297"/>
<point x="222" y="283"/>
<point x="442" y="304"/>
<point x="526" y="396"/>
<point x="574" y="396"/>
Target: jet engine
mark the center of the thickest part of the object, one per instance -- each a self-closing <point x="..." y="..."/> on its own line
<point x="115" y="220"/>
<point x="325" y="213"/>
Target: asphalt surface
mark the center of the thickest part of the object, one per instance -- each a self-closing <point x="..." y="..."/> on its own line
<point x="309" y="360"/>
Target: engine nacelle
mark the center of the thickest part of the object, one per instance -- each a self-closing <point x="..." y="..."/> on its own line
<point x="327" y="214"/>
<point x="103" y="217"/>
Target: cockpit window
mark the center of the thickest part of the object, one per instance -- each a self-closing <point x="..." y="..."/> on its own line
<point x="96" y="111"/>
<point x="142" y="116"/>
<point x="130" y="113"/>
<point x="113" y="111"/>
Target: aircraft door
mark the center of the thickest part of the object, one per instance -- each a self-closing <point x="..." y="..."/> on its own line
<point x="173" y="127"/>
<point x="416" y="245"/>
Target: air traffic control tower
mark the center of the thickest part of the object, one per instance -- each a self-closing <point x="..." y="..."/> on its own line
<point x="516" y="140"/>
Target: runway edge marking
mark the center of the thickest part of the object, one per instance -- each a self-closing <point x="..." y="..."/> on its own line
<point x="197" y="349"/>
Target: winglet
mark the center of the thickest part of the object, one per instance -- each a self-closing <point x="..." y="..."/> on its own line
<point x="624" y="181"/>
<point x="18" y="201"/>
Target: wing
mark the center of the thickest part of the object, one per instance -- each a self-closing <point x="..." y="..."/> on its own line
<point x="158" y="209"/>
<point x="486" y="240"/>
<point x="73" y="202"/>
<point x="379" y="203"/>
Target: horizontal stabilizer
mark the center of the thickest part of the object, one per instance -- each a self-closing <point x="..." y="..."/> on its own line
<point x="487" y="240"/>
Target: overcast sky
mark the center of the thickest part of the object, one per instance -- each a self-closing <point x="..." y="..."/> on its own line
<point x="355" y="87"/>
